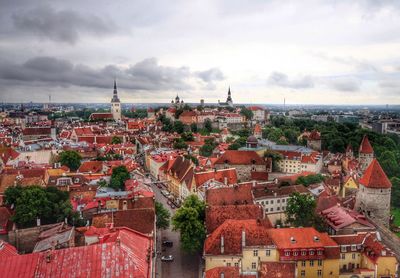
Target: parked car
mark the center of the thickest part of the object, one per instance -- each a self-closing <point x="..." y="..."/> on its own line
<point x="172" y="206"/>
<point x="165" y="193"/>
<point x="168" y="258"/>
<point x="167" y="243"/>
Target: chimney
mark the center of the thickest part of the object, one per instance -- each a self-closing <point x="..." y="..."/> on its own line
<point x="243" y="238"/>
<point x="226" y="180"/>
<point x="222" y="245"/>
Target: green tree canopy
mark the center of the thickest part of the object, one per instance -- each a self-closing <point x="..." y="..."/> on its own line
<point x="118" y="177"/>
<point x="163" y="216"/>
<point x="193" y="127"/>
<point x="189" y="221"/>
<point x="247" y="113"/>
<point x="300" y="211"/>
<point x="395" y="200"/>
<point x="116" y="140"/>
<point x="50" y="205"/>
<point x="180" y="144"/>
<point x="71" y="159"/>
<point x="187" y="136"/>
<point x="208" y="125"/>
<point x="179" y="127"/>
<point x="310" y="179"/>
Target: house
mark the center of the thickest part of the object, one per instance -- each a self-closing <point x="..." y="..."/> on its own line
<point x="123" y="252"/>
<point x="259" y="114"/>
<point x="245" y="162"/>
<point x="350" y="186"/>
<point x="239" y="243"/>
<point x="232" y="195"/>
<point x="314" y="140"/>
<point x="188" y="117"/>
<point x="341" y="220"/>
<point x="180" y="177"/>
<point x="315" y="253"/>
<point x="364" y="255"/>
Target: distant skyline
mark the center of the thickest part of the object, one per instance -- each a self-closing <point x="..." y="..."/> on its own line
<point x="309" y="52"/>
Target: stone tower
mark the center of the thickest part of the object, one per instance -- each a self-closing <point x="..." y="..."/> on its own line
<point x="365" y="153"/>
<point x="373" y="195"/>
<point x="115" y="104"/>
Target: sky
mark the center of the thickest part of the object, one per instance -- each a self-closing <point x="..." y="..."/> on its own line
<point x="308" y="52"/>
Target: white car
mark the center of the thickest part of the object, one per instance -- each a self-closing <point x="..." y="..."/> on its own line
<point x="168" y="258"/>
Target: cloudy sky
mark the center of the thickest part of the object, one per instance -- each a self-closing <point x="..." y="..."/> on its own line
<point x="332" y="52"/>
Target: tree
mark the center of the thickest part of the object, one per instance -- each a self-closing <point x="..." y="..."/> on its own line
<point x="276" y="157"/>
<point x="118" y="177"/>
<point x="179" y="127"/>
<point x="116" y="140"/>
<point x="247" y="113"/>
<point x="208" y="125"/>
<point x="234" y="146"/>
<point x="310" y="179"/>
<point x="187" y="136"/>
<point x="300" y="211"/>
<point x="71" y="159"/>
<point x="193" y="127"/>
<point x="395" y="200"/>
<point x="50" y="205"/>
<point x="189" y="221"/>
<point x="208" y="147"/>
<point x="163" y="216"/>
<point x="180" y="144"/>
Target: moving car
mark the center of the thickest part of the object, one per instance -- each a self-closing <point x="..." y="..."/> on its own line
<point x="167" y="243"/>
<point x="168" y="258"/>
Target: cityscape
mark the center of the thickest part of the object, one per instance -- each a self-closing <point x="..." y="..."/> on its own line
<point x="191" y="139"/>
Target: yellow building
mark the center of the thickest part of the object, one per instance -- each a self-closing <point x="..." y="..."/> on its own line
<point x="364" y="255"/>
<point x="315" y="254"/>
<point x="240" y="243"/>
<point x="350" y="185"/>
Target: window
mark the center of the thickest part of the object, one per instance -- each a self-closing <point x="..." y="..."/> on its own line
<point x="319" y="272"/>
<point x="228" y="264"/>
<point x="303" y="263"/>
<point x="278" y="208"/>
<point x="319" y="262"/>
<point x="255" y="253"/>
<point x="236" y="264"/>
<point x="295" y="253"/>
<point x="266" y="202"/>
<point x="303" y="273"/>
<point x="272" y="209"/>
<point x="278" y="201"/>
<point x="283" y="200"/>
<point x="303" y="253"/>
<point x="353" y="247"/>
<point x="287" y="253"/>
<point x="311" y="263"/>
<point x="311" y="252"/>
<point x="353" y="256"/>
<point x="343" y="249"/>
<point x="319" y="252"/>
<point x="268" y="253"/>
<point x="272" y="202"/>
<point x="253" y="265"/>
<point x="262" y="202"/>
<point x="266" y="210"/>
<point x="343" y="256"/>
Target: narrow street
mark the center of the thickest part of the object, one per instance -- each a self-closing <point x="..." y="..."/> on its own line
<point x="184" y="265"/>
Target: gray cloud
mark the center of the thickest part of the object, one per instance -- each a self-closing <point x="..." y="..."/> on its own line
<point x="62" y="26"/>
<point x="344" y="84"/>
<point x="146" y="75"/>
<point x="282" y="80"/>
<point x="211" y="75"/>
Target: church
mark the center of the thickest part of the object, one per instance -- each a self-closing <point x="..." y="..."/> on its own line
<point x="229" y="102"/>
<point x="115" y="113"/>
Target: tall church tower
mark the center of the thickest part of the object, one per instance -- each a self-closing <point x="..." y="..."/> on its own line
<point x="365" y="153"/>
<point x="229" y="98"/>
<point x="115" y="104"/>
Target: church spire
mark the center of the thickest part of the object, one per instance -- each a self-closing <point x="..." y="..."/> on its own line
<point x="115" y="84"/>
<point x="115" y="93"/>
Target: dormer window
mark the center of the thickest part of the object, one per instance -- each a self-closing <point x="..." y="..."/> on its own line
<point x="287" y="253"/>
<point x="353" y="247"/>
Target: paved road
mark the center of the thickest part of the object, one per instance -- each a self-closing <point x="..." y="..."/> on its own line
<point x="185" y="266"/>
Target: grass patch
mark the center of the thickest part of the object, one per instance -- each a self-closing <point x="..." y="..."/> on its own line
<point x="396" y="213"/>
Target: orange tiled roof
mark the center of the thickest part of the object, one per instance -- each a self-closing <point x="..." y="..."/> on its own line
<point x="234" y="157"/>
<point x="375" y="177"/>
<point x="365" y="146"/>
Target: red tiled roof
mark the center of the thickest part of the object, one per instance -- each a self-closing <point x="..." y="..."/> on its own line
<point x="339" y="217"/>
<point x="259" y="176"/>
<point x="36" y="131"/>
<point x="7" y="154"/>
<point x="314" y="135"/>
<point x="125" y="253"/>
<point x="223" y="271"/>
<point x="101" y="116"/>
<point x="216" y="215"/>
<point x="255" y="231"/>
<point x="6" y="250"/>
<point x="219" y="175"/>
<point x="234" y="157"/>
<point x="375" y="177"/>
<point x="303" y="238"/>
<point x="277" y="270"/>
<point x="255" y="108"/>
<point x="234" y="195"/>
<point x="257" y="128"/>
<point x="365" y="146"/>
<point x="91" y="166"/>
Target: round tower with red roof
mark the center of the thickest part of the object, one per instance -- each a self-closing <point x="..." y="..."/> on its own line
<point x="373" y="195"/>
<point x="365" y="153"/>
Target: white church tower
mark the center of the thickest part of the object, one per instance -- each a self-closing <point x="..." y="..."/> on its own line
<point x="115" y="104"/>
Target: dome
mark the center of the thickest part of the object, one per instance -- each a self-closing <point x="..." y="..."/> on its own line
<point x="252" y="139"/>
